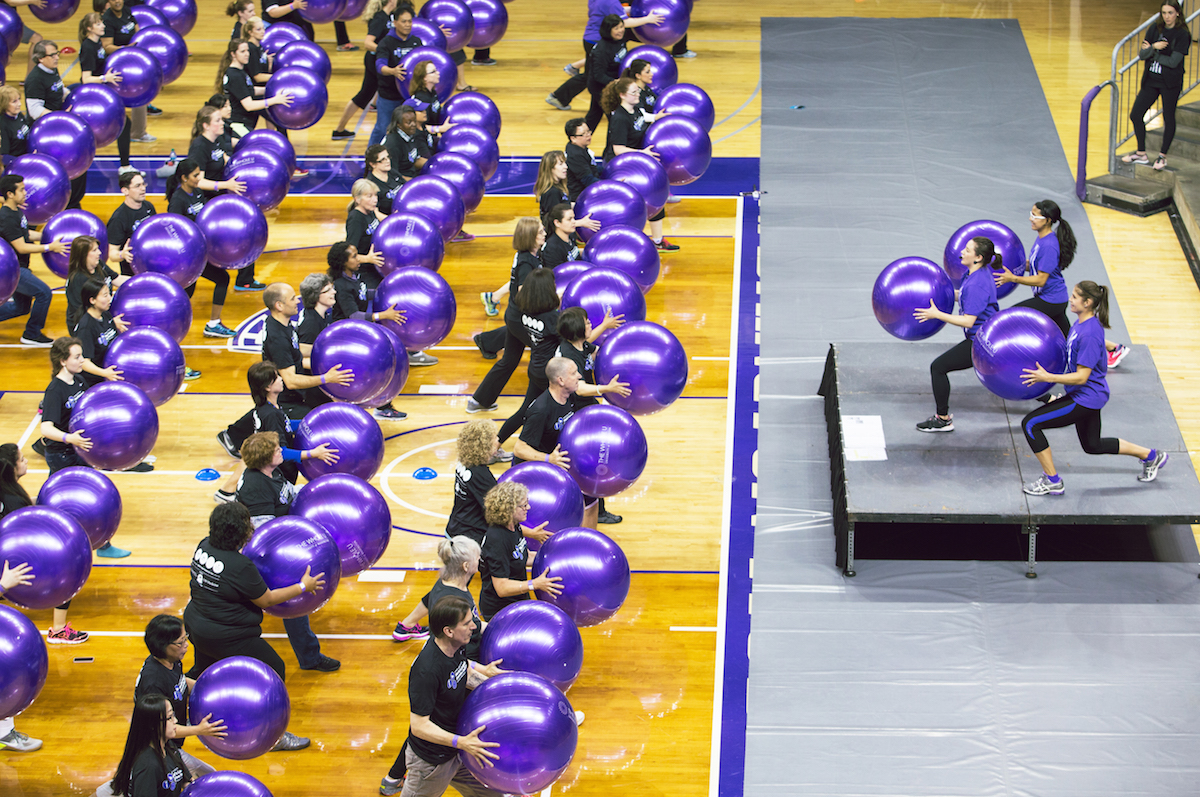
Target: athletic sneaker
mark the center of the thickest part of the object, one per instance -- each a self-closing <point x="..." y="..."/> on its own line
<point x="110" y="551"/>
<point x="462" y="237"/>
<point x="227" y="443"/>
<point x="403" y="633"/>
<point x="141" y="467"/>
<point x="484" y="353"/>
<point x="253" y="285"/>
<point x="132" y="168"/>
<point x="325" y="664"/>
<point x="686" y="54"/>
<point x="571" y="70"/>
<point x="1043" y="486"/>
<point x="290" y="741"/>
<point x="190" y="375"/>
<point x="1116" y="355"/>
<point x="35" y="339"/>
<point x="666" y="246"/>
<point x="153" y="110"/>
<point x="348" y="47"/>
<point x="1150" y="468"/>
<point x="390" y="414"/>
<point x="296" y="175"/>
<point x="500" y="456"/>
<point x="222" y="497"/>
<point x="474" y="406"/>
<point x="389" y="787"/>
<point x="550" y="98"/>
<point x="67" y="636"/>
<point x="144" y="139"/>
<point x="215" y="329"/>
<point x="489" y="304"/>
<point x="484" y="62"/>
<point x="343" y="134"/>
<point x="420" y="358"/>
<point x="608" y="517"/>
<point x="936" y="424"/>
<point x="19" y="742"/>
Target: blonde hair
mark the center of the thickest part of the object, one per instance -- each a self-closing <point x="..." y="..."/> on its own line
<point x="475" y="443"/>
<point x="7" y="95"/>
<point x="362" y="187"/>
<point x="501" y="502"/>
<point x="456" y="552"/>
<point x="258" y="449"/>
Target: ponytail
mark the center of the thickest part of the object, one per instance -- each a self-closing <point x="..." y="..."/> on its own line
<point x="1067" y="245"/>
<point x="1098" y="296"/>
<point x="987" y="250"/>
<point x="610" y="98"/>
<point x="226" y="62"/>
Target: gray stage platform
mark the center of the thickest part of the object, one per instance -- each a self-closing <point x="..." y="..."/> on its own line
<point x="974" y="474"/>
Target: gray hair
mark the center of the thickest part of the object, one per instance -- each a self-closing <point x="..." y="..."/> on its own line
<point x="311" y="287"/>
<point x="456" y="552"/>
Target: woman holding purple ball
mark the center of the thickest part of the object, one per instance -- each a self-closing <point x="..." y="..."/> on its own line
<point x="1051" y="253"/>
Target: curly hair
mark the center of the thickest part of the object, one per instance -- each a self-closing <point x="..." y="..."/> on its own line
<point x="259" y="449"/>
<point x="475" y="443"/>
<point x="229" y="526"/>
<point x="502" y="501"/>
<point x="610" y="98"/>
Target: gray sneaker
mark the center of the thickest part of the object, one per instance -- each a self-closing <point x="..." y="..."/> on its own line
<point x="1043" y="486"/>
<point x="290" y="741"/>
<point x="388" y="787"/>
<point x="419" y="358"/>
<point x="500" y="456"/>
<point x="474" y="406"/>
<point x="552" y="100"/>
<point x="1150" y="468"/>
<point x="19" y="742"/>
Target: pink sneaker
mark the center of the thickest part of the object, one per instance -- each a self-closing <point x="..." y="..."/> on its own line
<point x="67" y="636"/>
<point x="1116" y="355"/>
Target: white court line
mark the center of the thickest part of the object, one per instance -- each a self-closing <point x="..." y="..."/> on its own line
<point x="29" y="431"/>
<point x="383" y="480"/>
<point x="709" y="629"/>
<point x="381" y="576"/>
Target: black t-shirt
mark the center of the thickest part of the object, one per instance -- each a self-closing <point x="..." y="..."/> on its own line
<point x="585" y="361"/>
<point x="237" y="31"/>
<point x="378" y="27"/>
<point x="544" y="421"/>
<point x="582" y="169"/>
<point x="505" y="555"/>
<point x="387" y="189"/>
<point x="14" y="134"/>
<point x="292" y="16"/>
<point x="625" y="129"/>
<point x="238" y="86"/>
<point x="551" y="197"/>
<point x="604" y="65"/>
<point x="44" y="86"/>
<point x="435" y="114"/>
<point x="437" y="688"/>
<point x="75" y="292"/>
<point x="265" y="495"/>
<point x="151" y="779"/>
<point x="211" y="155"/>
<point x="57" y="405"/>
<point x="557" y="251"/>
<point x="360" y="227"/>
<point x="92" y="57"/>
<point x="125" y="220"/>
<point x="1179" y="40"/>
<point x="260" y="61"/>
<point x="542" y="330"/>
<point x="309" y="323"/>
<point x="647" y="100"/>
<point x="224" y="586"/>
<point x="11" y="502"/>
<point x="155" y="679"/>
<point x="185" y="204"/>
<point x="404" y="150"/>
<point x="440" y="591"/>
<point x="263" y="418"/>
<point x="353" y="296"/>
<point x="386" y="53"/>
<point x="281" y="345"/>
<point x="119" y="29"/>
<point x="95" y="336"/>
<point x="426" y="143"/>
<point x="467" y="516"/>
<point x="13" y="226"/>
<point x="523" y="265"/>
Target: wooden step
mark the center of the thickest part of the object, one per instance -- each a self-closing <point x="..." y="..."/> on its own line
<point x="1130" y="195"/>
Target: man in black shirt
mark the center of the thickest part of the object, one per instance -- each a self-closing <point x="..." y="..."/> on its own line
<point x="438" y="682"/>
<point x="281" y="345"/>
<point x="582" y="168"/>
<point x="132" y="211"/>
<point x="32" y="296"/>
<point x="44" y="88"/>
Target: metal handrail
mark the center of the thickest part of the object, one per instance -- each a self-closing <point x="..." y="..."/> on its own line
<point x="1084" y="109"/>
<point x="1124" y="59"/>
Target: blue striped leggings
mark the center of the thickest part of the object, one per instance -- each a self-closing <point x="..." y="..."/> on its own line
<point x="1065" y="412"/>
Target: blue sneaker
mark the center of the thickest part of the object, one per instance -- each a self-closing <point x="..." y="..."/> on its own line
<point x="110" y="551"/>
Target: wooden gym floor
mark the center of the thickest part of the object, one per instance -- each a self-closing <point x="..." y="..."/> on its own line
<point x="648" y="689"/>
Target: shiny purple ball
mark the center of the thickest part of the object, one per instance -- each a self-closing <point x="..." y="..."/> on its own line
<point x="141" y="75"/>
<point x="10" y="273"/>
<point x="265" y="174"/>
<point x="683" y="148"/>
<point x="236" y="231"/>
<point x="435" y="199"/>
<point x="228" y="784"/>
<point x="666" y="73"/>
<point x="180" y="14"/>
<point x="65" y="137"/>
<point x="353" y="512"/>
<point x="322" y="12"/>
<point x="676" y="16"/>
<point x="305" y="55"/>
<point x="310" y="97"/>
<point x="55" y="11"/>
<point x="554" y="497"/>
<point x="595" y="574"/>
<point x="607" y="447"/>
<point x="24" y="661"/>
<point x="280" y="34"/>
<point x="905" y="285"/>
<point x="474" y="142"/>
<point x="350" y="430"/>
<point x="1012" y="341"/>
<point x="155" y="301"/>
<point x="359" y="347"/>
<point x="491" y="22"/>
<point x="101" y="107"/>
<point x="55" y="546"/>
<point x="645" y="175"/>
<point x="686" y="99"/>
<point x="169" y="244"/>
<point x="603" y="289"/>
<point x="461" y="172"/>
<point x="250" y="698"/>
<point x="66" y="227"/>
<point x="472" y="107"/>
<point x="447" y="70"/>
<point x="536" y="637"/>
<point x="121" y="423"/>
<point x="650" y="360"/>
<point x="612" y="203"/>
<point x="88" y="496"/>
<point x="353" y="10"/>
<point x="399" y="375"/>
<point x="626" y="249"/>
<point x="147" y="17"/>
<point x="427" y="301"/>
<point x="167" y="46"/>
<point x="408" y="239"/>
<point x="282" y="549"/>
<point x="454" y="16"/>
<point x="429" y="34"/>
<point x="1007" y="245"/>
<point x="47" y="186"/>
<point x="11" y="27"/>
<point x="151" y="360"/>
<point x="271" y="141"/>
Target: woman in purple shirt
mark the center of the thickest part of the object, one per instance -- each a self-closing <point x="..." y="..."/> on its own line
<point x="1052" y="252"/>
<point x="976" y="304"/>
<point x="1086" y="379"/>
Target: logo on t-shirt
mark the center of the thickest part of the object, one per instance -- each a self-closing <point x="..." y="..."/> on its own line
<point x="174" y="778"/>
<point x="459" y="676"/>
<point x="73" y="400"/>
<point x="521" y="552"/>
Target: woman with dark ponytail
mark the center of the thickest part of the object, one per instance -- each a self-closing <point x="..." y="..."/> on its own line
<point x="1086" y="380"/>
<point x="1164" y="49"/>
<point x="976" y="304"/>
<point x="1052" y="252"/>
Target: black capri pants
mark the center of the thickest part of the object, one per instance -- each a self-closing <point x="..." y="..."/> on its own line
<point x="957" y="358"/>
<point x="219" y="277"/>
<point x="370" y="82"/>
<point x="1143" y="103"/>
<point x="1065" y="412"/>
<point x="1056" y="311"/>
<point x="210" y="644"/>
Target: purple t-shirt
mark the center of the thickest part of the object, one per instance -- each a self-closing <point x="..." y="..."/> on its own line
<point x="1044" y="257"/>
<point x="597" y="11"/>
<point x="1085" y="347"/>
<point x="978" y="298"/>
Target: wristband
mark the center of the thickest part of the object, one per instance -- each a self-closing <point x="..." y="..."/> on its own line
<point x="3" y="589"/>
<point x="303" y="589"/>
<point x="547" y="457"/>
<point x="454" y="742"/>
<point x="322" y="379"/>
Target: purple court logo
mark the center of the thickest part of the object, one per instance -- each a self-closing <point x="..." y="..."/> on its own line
<point x="248" y="336"/>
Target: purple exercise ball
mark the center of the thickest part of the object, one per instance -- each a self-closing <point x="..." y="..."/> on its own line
<point x="626" y="249"/>
<point x="265" y="174"/>
<point x="88" y="496"/>
<point x="281" y="34"/>
<point x="666" y="73"/>
<point x="565" y="273"/>
<point x="1007" y="244"/>
<point x="472" y="107"/>
<point x="121" y="422"/>
<point x="282" y="549"/>
<point x="491" y="22"/>
<point x="645" y="175"/>
<point x="250" y="698"/>
<point x="305" y="55"/>
<point x="167" y="46"/>
<point x="236" y="231"/>
<point x="24" y="662"/>
<point x="10" y="272"/>
<point x="169" y="244"/>
<point x="65" y="137"/>
<point x="683" y="146"/>
<point x="1011" y="341"/>
<point x="612" y="203"/>
<point x="447" y="71"/>
<point x="152" y="300"/>
<point x="141" y="75"/>
<point x="532" y="723"/>
<point x="271" y="141"/>
<point x="55" y="11"/>
<point x="180" y="14"/>
<point x="66" y="227"/>
<point x="905" y="285"/>
<point x="228" y="784"/>
<point x="310" y="97"/>
<point x="607" y="447"/>
<point x="150" y="359"/>
<point x="429" y="34"/>
<point x="11" y="26"/>
<point x="427" y="301"/>
<point x="603" y="289"/>
<point x="594" y="570"/>
<point x="462" y="173"/>
<point x="536" y="637"/>
<point x="349" y="429"/>
<point x="322" y="12"/>
<point x="651" y="360"/>
<point x="356" y="346"/>
<point x="353" y="10"/>
<point x="676" y="16"/>
<point x="55" y="546"/>
<point x="148" y="17"/>
<point x="408" y="239"/>
<point x="399" y="374"/>
<point x="686" y="99"/>
<point x="435" y="199"/>
<point x="455" y="17"/>
<point x="554" y="497"/>
<point x="353" y="512"/>
<point x="101" y="107"/>
<point x="474" y="142"/>
<point x="47" y="186"/>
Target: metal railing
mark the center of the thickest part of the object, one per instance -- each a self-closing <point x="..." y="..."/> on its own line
<point x="1085" y="108"/>
<point x="1127" y="77"/>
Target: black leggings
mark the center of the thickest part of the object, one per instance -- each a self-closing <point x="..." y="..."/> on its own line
<point x="537" y="386"/>
<point x="219" y="277"/>
<point x="123" y="141"/>
<point x="370" y="82"/>
<point x="1143" y="103"/>
<point x="957" y="358"/>
<point x="595" y="111"/>
<point x="1065" y="412"/>
<point x="211" y="649"/>
<point x="489" y="389"/>
<point x="1057" y="312"/>
<point x="572" y="86"/>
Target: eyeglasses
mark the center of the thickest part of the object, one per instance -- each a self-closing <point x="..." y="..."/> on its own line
<point x="181" y="642"/>
<point x="50" y="55"/>
<point x="1032" y="217"/>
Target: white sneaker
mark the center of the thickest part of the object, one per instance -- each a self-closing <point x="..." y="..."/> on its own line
<point x="19" y="742"/>
<point x="578" y="718"/>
